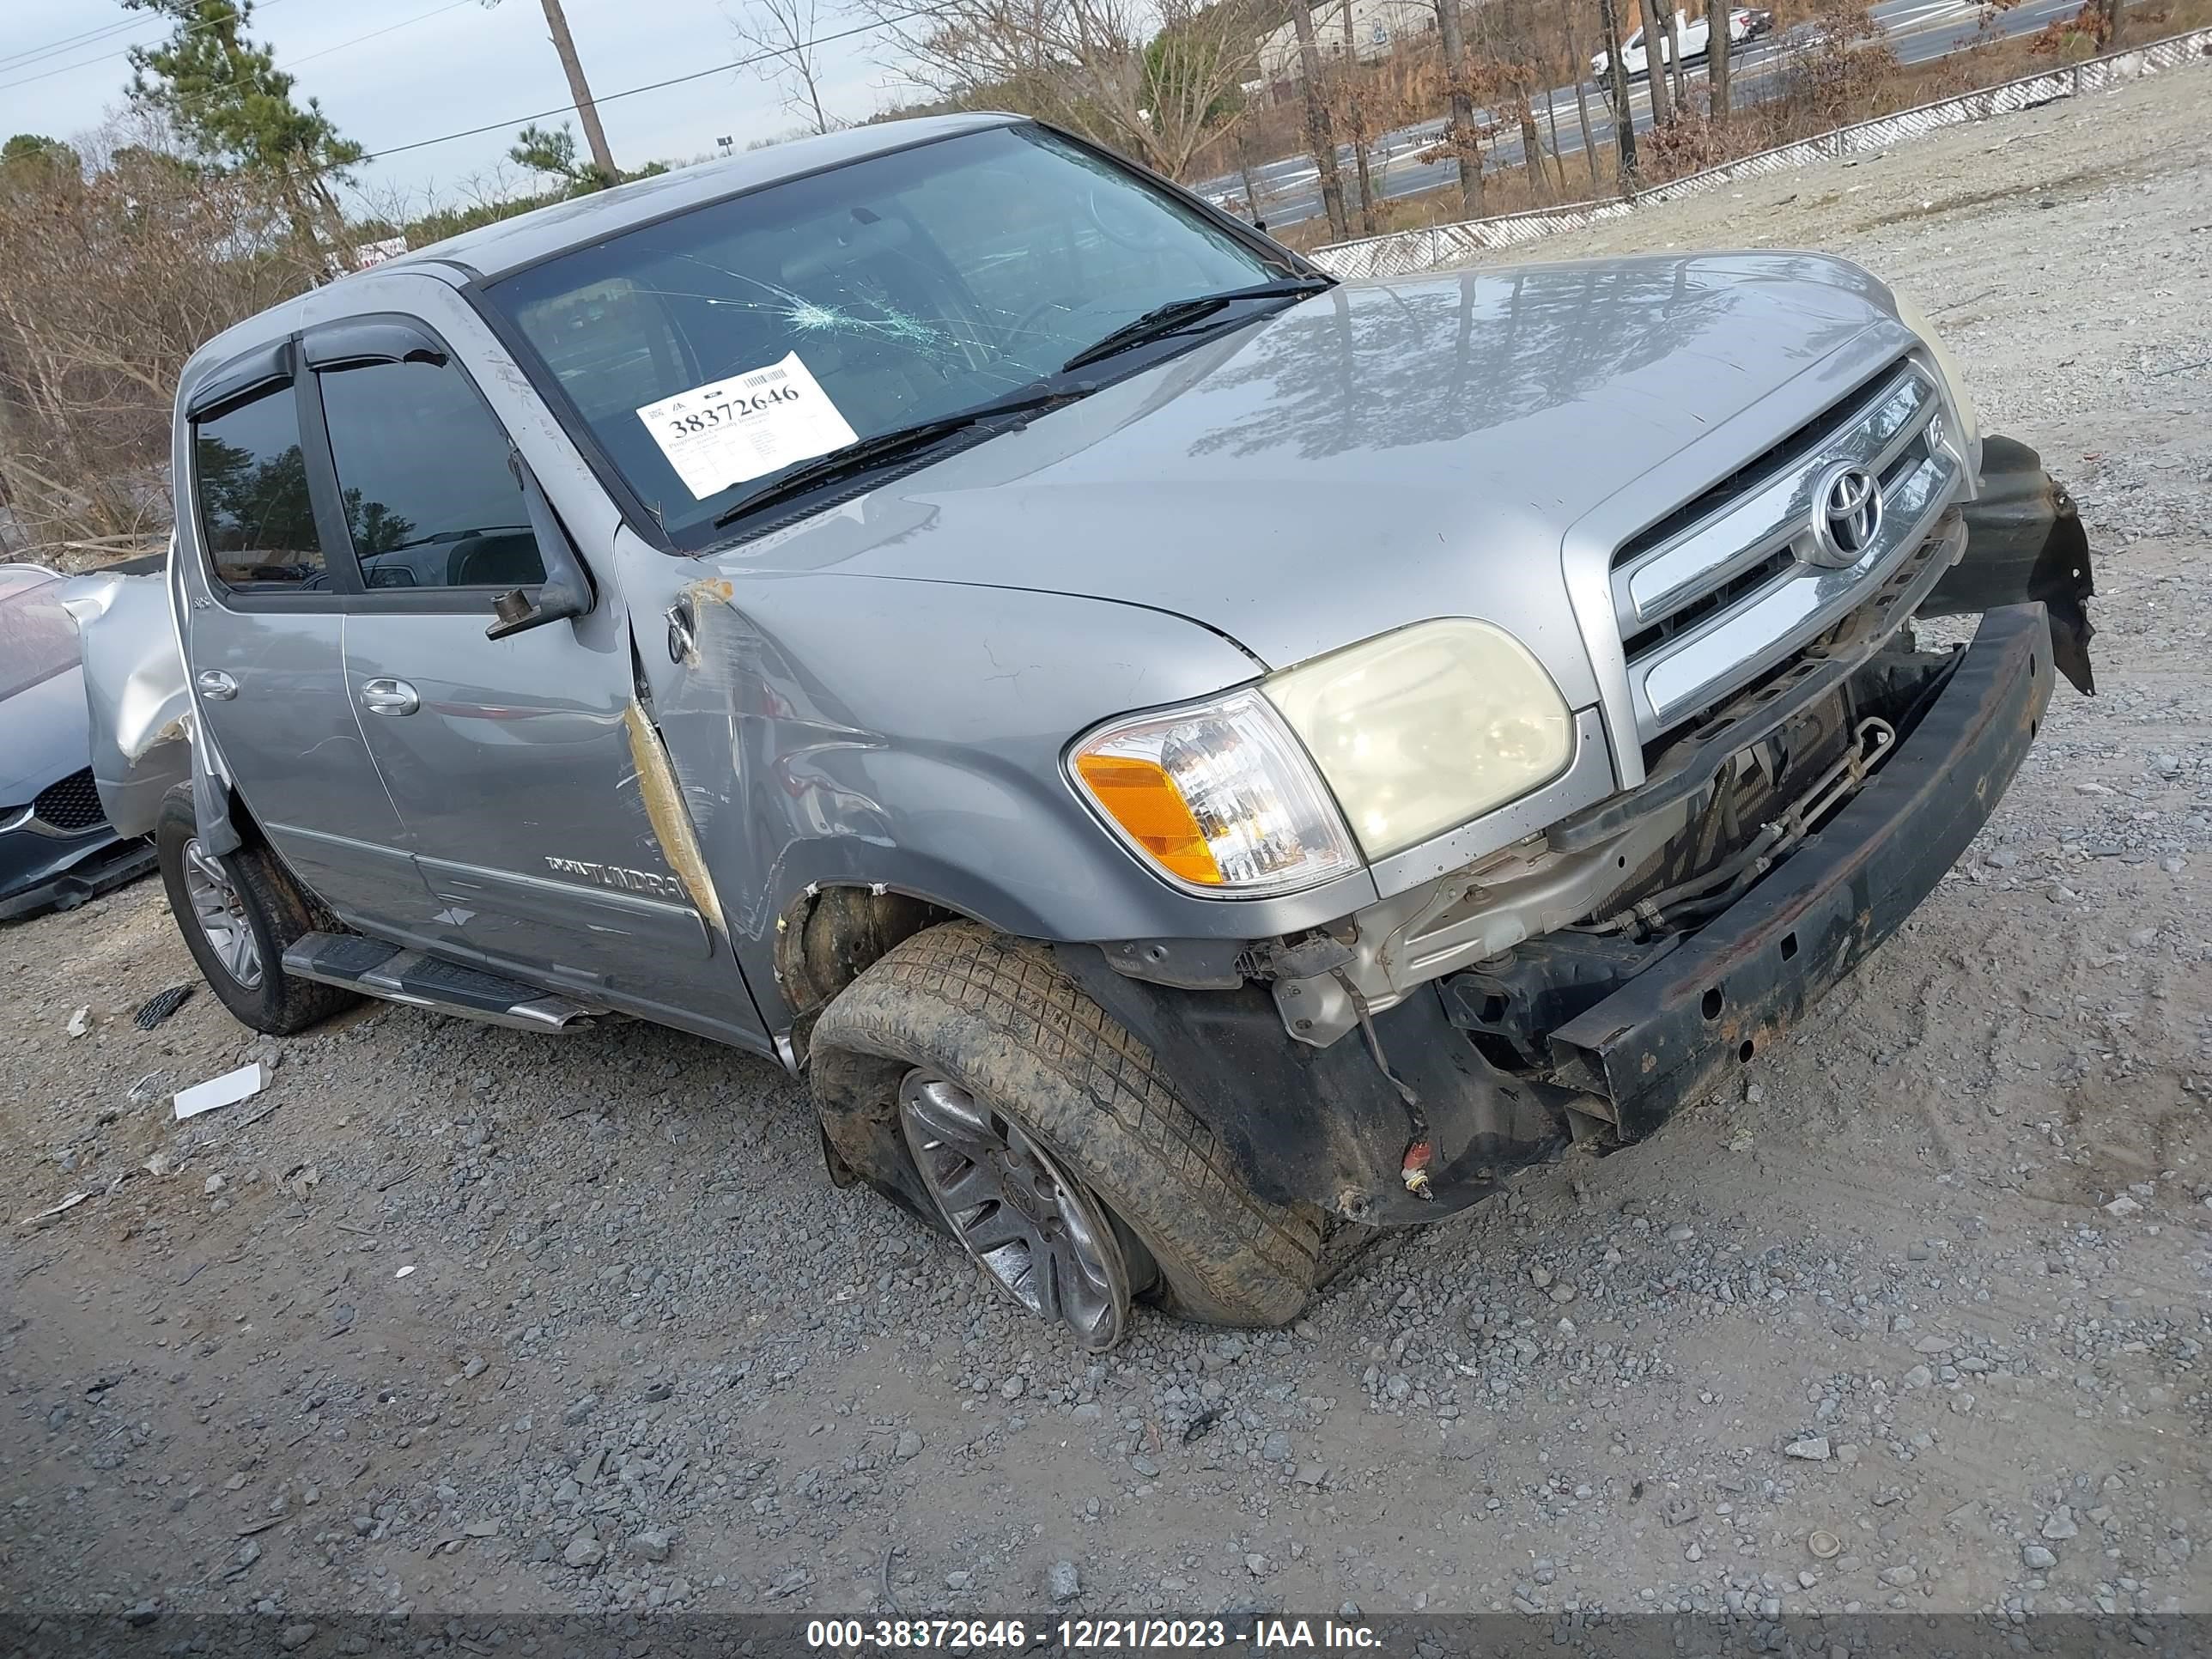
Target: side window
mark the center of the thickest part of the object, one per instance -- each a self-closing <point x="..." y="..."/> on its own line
<point x="250" y="480"/>
<point x="423" y="473"/>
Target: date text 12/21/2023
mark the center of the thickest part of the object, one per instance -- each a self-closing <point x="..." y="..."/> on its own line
<point x="1090" y="1635"/>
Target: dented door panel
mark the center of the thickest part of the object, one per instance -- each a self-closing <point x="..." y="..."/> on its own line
<point x="515" y="779"/>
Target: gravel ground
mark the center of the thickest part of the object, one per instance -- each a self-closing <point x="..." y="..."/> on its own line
<point x="453" y="1318"/>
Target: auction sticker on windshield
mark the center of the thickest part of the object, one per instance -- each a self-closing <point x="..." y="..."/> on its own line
<point x="735" y="429"/>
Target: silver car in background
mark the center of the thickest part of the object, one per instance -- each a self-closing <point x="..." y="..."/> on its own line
<point x="1188" y="757"/>
<point x="57" y="847"/>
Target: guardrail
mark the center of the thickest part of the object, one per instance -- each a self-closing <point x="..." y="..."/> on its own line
<point x="1402" y="253"/>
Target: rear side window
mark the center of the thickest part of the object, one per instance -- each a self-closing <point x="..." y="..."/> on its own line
<point x="423" y="472"/>
<point x="250" y="482"/>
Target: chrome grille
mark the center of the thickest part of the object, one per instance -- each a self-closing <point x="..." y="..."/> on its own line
<point x="1726" y="587"/>
<point x="69" y="806"/>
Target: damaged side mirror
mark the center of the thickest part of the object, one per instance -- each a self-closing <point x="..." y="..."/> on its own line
<point x="566" y="592"/>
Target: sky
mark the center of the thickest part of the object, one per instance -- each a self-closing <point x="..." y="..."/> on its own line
<point x="446" y="65"/>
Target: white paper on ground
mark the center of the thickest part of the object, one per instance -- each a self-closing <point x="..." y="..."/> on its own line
<point x="225" y="1091"/>
<point x="741" y="426"/>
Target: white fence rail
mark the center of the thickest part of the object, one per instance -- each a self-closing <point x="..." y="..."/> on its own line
<point x="1402" y="253"/>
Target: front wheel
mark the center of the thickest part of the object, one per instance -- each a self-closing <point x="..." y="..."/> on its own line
<point x="240" y="912"/>
<point x="1050" y="1145"/>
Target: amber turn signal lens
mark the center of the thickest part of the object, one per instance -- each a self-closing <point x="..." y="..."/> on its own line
<point x="1140" y="797"/>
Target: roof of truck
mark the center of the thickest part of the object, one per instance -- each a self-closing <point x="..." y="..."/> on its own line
<point x="493" y="250"/>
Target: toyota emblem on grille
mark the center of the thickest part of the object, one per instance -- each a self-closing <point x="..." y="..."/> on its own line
<point x="1846" y="515"/>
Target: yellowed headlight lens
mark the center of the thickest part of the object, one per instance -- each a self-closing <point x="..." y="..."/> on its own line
<point x="1419" y="731"/>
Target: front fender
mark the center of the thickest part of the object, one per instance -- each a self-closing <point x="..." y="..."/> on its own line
<point x="850" y="730"/>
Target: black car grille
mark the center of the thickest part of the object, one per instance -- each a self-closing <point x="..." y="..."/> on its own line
<point x="70" y="805"/>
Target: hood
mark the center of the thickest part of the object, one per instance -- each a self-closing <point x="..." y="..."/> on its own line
<point x="1379" y="454"/>
<point x="44" y="736"/>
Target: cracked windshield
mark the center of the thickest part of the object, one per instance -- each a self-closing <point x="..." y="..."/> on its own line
<point x="715" y="350"/>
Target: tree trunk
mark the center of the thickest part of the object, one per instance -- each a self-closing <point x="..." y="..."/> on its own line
<point x="1624" y="124"/>
<point x="1654" y="72"/>
<point x="1459" y="129"/>
<point x="1718" y="46"/>
<point x="1320" y="136"/>
<point x="581" y="90"/>
<point x="1353" y="116"/>
<point x="1581" y="101"/>
<point x="2112" y="8"/>
<point x="1681" y="69"/>
<point x="1552" y="120"/>
<point x="1532" y="147"/>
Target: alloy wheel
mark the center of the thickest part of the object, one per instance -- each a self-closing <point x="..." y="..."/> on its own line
<point x="220" y="915"/>
<point x="1043" y="1238"/>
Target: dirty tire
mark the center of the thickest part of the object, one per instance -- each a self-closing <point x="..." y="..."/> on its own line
<point x="278" y="909"/>
<point x="995" y="1016"/>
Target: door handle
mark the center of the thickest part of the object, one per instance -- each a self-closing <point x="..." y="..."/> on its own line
<point x="218" y="686"/>
<point x="383" y="696"/>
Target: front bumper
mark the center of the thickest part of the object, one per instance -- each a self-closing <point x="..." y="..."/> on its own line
<point x="1330" y="1126"/>
<point x="1672" y="1033"/>
<point x="41" y="872"/>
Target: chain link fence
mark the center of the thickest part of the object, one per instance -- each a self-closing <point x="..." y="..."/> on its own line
<point x="1404" y="252"/>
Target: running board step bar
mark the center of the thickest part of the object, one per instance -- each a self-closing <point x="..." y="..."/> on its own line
<point x="397" y="973"/>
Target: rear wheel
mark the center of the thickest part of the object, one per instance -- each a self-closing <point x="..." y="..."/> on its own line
<point x="1049" y="1144"/>
<point x="239" y="912"/>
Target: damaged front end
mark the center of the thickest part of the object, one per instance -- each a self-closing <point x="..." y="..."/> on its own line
<point x="1587" y="981"/>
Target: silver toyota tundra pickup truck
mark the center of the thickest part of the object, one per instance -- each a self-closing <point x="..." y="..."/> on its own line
<point x="1190" y="758"/>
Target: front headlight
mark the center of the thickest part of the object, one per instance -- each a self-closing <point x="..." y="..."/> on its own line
<point x="1946" y="365"/>
<point x="1419" y="731"/>
<point x="1217" y="797"/>
<point x="1413" y="733"/>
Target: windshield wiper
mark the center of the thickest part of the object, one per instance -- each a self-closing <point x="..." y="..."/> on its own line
<point x="1177" y="314"/>
<point x="803" y="476"/>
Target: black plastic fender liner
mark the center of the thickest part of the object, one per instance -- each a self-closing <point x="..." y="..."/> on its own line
<point x="1325" y="1125"/>
<point x="2024" y="542"/>
<point x="1672" y="1033"/>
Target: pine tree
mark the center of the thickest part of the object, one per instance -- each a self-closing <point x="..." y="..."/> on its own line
<point x="225" y="97"/>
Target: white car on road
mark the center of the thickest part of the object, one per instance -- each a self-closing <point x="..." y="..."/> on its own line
<point x="1745" y="23"/>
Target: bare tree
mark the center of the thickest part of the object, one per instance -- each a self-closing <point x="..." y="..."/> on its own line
<point x="1654" y="72"/>
<point x="1719" y="47"/>
<point x="1158" y="81"/>
<point x="113" y="268"/>
<point x="1320" y="133"/>
<point x="1582" y="100"/>
<point x="1355" y="123"/>
<point x="785" y="33"/>
<point x="1624" y="126"/>
<point x="1532" y="142"/>
<point x="1460" y="130"/>
<point x="1552" y="120"/>
<point x="1682" y="70"/>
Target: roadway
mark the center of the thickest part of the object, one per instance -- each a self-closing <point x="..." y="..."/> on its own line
<point x="1919" y="31"/>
